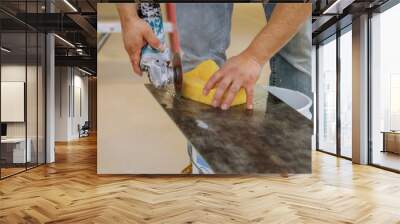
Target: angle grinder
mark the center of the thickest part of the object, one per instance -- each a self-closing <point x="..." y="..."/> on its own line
<point x="161" y="70"/>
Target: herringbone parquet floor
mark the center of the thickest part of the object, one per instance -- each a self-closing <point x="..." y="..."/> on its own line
<point x="69" y="191"/>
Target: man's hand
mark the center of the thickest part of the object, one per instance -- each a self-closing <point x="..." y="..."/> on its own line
<point x="241" y="71"/>
<point x="136" y="34"/>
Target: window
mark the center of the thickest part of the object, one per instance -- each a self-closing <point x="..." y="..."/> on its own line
<point x="22" y="88"/>
<point x="327" y="97"/>
<point x="385" y="89"/>
<point x="346" y="94"/>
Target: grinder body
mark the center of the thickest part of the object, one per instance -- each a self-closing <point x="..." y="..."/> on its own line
<point x="157" y="64"/>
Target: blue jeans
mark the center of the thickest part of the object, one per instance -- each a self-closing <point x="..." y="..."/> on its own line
<point x="204" y="31"/>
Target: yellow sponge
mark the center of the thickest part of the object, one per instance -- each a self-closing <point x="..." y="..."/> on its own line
<point x="195" y="80"/>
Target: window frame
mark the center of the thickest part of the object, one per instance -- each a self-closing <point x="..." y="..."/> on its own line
<point x="371" y="13"/>
<point x="29" y="29"/>
<point x="334" y="37"/>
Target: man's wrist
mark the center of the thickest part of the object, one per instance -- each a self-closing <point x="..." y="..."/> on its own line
<point x="252" y="55"/>
<point x="127" y="12"/>
<point x="129" y="21"/>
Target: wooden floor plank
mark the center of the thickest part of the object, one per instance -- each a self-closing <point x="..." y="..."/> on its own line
<point x="70" y="191"/>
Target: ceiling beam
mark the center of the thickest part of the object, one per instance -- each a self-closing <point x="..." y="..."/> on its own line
<point x="77" y="61"/>
<point x="83" y="23"/>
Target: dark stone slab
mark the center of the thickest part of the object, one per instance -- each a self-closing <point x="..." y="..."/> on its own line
<point x="273" y="138"/>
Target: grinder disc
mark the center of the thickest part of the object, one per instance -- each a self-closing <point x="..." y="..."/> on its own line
<point x="178" y="73"/>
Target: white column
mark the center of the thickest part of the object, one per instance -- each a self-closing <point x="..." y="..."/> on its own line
<point x="360" y="90"/>
<point x="63" y="99"/>
<point x="50" y="92"/>
<point x="314" y="91"/>
<point x="50" y="99"/>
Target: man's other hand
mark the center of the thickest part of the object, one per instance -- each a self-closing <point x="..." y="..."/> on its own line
<point x="241" y="71"/>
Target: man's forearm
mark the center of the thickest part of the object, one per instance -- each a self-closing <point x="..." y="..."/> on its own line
<point x="127" y="12"/>
<point x="285" y="22"/>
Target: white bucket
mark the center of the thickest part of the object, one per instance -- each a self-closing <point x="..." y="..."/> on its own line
<point x="295" y="99"/>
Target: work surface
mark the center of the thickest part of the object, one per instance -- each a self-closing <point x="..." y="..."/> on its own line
<point x="272" y="138"/>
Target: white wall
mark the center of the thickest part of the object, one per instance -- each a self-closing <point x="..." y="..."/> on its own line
<point x="11" y="73"/>
<point x="62" y="81"/>
<point x="80" y="84"/>
<point x="69" y="82"/>
<point x="14" y="73"/>
<point x="33" y="127"/>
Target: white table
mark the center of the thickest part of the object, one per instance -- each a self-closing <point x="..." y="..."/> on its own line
<point x="19" y="154"/>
